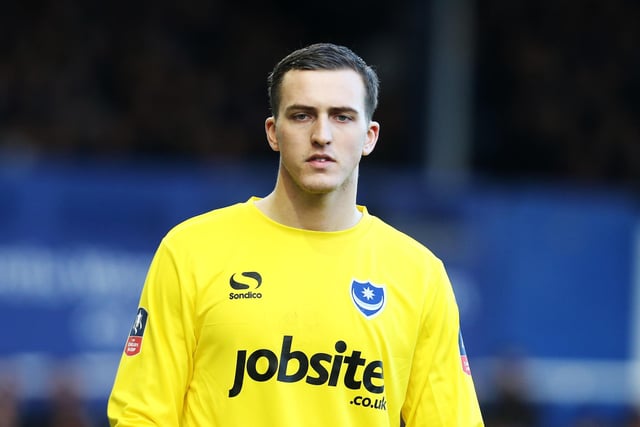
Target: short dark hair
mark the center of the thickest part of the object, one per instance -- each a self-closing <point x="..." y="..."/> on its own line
<point x="324" y="56"/>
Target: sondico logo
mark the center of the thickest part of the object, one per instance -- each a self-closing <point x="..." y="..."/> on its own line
<point x="245" y="282"/>
<point x="317" y="369"/>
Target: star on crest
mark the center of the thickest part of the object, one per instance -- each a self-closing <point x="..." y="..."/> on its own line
<point x="368" y="293"/>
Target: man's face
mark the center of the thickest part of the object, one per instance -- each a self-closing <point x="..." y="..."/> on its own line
<point x="322" y="130"/>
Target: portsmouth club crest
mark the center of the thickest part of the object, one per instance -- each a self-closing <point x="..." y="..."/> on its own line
<point x="370" y="299"/>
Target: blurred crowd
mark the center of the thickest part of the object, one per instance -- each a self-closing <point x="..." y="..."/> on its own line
<point x="133" y="78"/>
<point x="64" y="405"/>
<point x="510" y="403"/>
<point x="558" y="93"/>
<point x="167" y="79"/>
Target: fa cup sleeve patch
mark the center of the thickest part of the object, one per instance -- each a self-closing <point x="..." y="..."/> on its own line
<point x="463" y="355"/>
<point x="134" y="342"/>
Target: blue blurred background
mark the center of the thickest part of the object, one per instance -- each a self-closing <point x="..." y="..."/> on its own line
<point x="510" y="146"/>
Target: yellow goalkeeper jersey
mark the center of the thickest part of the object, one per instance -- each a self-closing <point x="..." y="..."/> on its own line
<point x="246" y="322"/>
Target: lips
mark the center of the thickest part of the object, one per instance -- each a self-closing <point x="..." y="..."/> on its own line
<point x="320" y="158"/>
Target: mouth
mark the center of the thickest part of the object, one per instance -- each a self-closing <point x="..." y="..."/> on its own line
<point x="320" y="158"/>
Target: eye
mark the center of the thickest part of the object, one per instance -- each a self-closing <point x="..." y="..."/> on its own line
<point x="300" y="116"/>
<point x="343" y="118"/>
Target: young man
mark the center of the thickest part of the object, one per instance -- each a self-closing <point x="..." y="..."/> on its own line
<point x="299" y="308"/>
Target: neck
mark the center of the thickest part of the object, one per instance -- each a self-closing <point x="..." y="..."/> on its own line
<point x="332" y="211"/>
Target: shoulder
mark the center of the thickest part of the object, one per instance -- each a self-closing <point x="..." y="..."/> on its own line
<point x="401" y="243"/>
<point x="202" y="226"/>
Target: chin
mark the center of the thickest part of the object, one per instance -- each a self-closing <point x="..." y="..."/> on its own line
<point x="323" y="184"/>
<point x="318" y="187"/>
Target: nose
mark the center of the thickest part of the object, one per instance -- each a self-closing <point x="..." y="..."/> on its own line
<point x="322" y="131"/>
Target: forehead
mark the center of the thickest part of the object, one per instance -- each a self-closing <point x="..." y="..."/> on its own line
<point x="323" y="88"/>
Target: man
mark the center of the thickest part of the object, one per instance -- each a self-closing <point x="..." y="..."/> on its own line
<point x="299" y="308"/>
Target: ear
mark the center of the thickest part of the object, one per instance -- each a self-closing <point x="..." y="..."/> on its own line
<point x="270" y="130"/>
<point x="372" y="138"/>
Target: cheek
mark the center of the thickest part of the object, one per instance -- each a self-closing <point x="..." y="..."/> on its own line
<point x="290" y="152"/>
<point x="354" y="155"/>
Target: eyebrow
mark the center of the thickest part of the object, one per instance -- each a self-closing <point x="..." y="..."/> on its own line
<point x="332" y="110"/>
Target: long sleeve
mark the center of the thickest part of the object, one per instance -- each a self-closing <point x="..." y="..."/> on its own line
<point x="155" y="367"/>
<point x="441" y="392"/>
